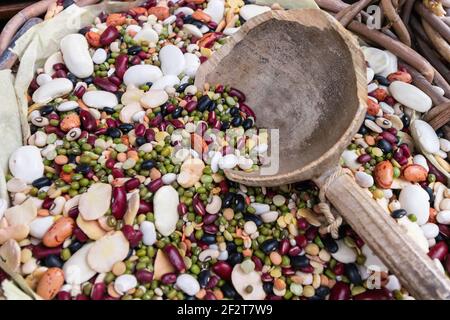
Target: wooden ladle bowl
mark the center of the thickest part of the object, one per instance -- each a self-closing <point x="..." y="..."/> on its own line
<point x="305" y="75"/>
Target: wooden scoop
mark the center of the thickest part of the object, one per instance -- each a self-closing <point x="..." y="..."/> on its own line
<point x="305" y="75"/>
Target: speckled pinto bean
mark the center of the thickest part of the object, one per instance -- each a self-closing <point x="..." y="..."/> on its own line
<point x="50" y="283"/>
<point x="60" y="231"/>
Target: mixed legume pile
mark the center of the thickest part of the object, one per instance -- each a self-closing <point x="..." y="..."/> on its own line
<point x="121" y="194"/>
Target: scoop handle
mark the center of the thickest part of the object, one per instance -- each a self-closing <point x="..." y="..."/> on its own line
<point x="412" y="266"/>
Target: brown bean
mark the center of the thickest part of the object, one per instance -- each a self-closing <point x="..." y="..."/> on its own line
<point x="60" y="231"/>
<point x="50" y="283"/>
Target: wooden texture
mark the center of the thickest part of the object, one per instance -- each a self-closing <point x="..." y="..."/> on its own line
<point x="416" y="271"/>
<point x="291" y="65"/>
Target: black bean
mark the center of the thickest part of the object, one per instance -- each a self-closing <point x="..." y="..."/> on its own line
<point x="89" y="80"/>
<point x="41" y="182"/>
<point x="148" y="164"/>
<point x="186" y="297"/>
<point x="352" y="273"/>
<point x="406" y="120"/>
<point x="113" y="132"/>
<point x="362" y="130"/>
<point x="330" y="244"/>
<point x="239" y="203"/>
<point x="84" y="30"/>
<point x="384" y="145"/>
<point x="126" y="127"/>
<point x="33" y="129"/>
<point x="236" y="121"/>
<point x="134" y="50"/>
<point x="75" y="246"/>
<point x="299" y="262"/>
<point x="182" y="87"/>
<point x="430" y="194"/>
<point x="229" y="292"/>
<point x="46" y="110"/>
<point x="269" y="245"/>
<point x="235" y="258"/>
<point x="72" y="79"/>
<point x="225" y="125"/>
<point x="247" y="124"/>
<point x="203" y="277"/>
<point x="304" y="185"/>
<point x="382" y="80"/>
<point x="268" y="287"/>
<point x="82" y="168"/>
<point x="252" y="217"/>
<point x="399" y="213"/>
<point x="315" y="298"/>
<point x="234" y="111"/>
<point x="108" y="110"/>
<point x="53" y="260"/>
<point x="140" y="141"/>
<point x="228" y="200"/>
<point x="119" y="95"/>
<point x="440" y="237"/>
<point x="208" y="238"/>
<point x="231" y="247"/>
<point x="177" y="112"/>
<point x="212" y="106"/>
<point x="369" y="117"/>
<point x="322" y="291"/>
<point x="203" y="103"/>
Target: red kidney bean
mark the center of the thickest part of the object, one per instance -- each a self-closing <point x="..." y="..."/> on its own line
<point x="59" y="66"/>
<point x="222" y="269"/>
<point x="289" y="271"/>
<point x="34" y="85"/>
<point x="88" y="122"/>
<point x="81" y="297"/>
<point x="105" y="84"/>
<point x="115" y="80"/>
<point x="311" y="233"/>
<point x="209" y="218"/>
<point x="59" y="74"/>
<point x="445" y="230"/>
<point x="405" y="150"/>
<point x="199" y="207"/>
<point x="135" y="60"/>
<point x="98" y="291"/>
<point x="447" y="263"/>
<point x="212" y="25"/>
<point x="117" y="173"/>
<point x="340" y="291"/>
<point x="182" y="209"/>
<point x="209" y="296"/>
<point x="211" y="228"/>
<point x="212" y="282"/>
<point x="177" y="123"/>
<point x="247" y="110"/>
<point x="101" y="131"/>
<point x="149" y="135"/>
<point x="154" y="185"/>
<point x="47" y="203"/>
<point x="119" y="202"/>
<point x="132" y="184"/>
<point x="175" y="257"/>
<point x="40" y="251"/>
<point x="203" y="59"/>
<point x="284" y="247"/>
<point x="144" y="276"/>
<point x="52" y="129"/>
<point x="110" y="163"/>
<point x="143" y="55"/>
<point x="389" y="137"/>
<point x="133" y="236"/>
<point x="191" y="106"/>
<point x="79" y="92"/>
<point x="156" y="121"/>
<point x="121" y="65"/>
<point x="91" y="139"/>
<point x="302" y="223"/>
<point x="399" y="157"/>
<point x="111" y="123"/>
<point x="212" y="117"/>
<point x="169" y="278"/>
<point x="307" y="269"/>
<point x="439" y="176"/>
<point x="73" y="213"/>
<point x="294" y="251"/>
<point x="339" y="269"/>
<point x="80" y="235"/>
<point x="438" y="251"/>
<point x="238" y="94"/>
<point x="272" y="297"/>
<point x="223" y="185"/>
<point x="217" y="124"/>
<point x="139" y="130"/>
<point x="109" y="35"/>
<point x="376" y="294"/>
<point x="64" y="295"/>
<point x="364" y="158"/>
<point x="258" y="263"/>
<point x="144" y="207"/>
<point x="265" y="277"/>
